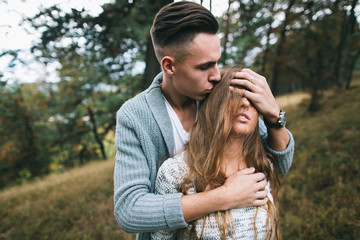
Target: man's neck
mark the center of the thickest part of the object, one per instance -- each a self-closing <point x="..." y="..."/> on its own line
<point x="184" y="106"/>
<point x="176" y="99"/>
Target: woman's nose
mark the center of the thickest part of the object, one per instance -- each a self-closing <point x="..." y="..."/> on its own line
<point x="244" y="102"/>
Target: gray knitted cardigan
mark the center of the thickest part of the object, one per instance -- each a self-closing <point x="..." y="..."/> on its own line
<point x="144" y="136"/>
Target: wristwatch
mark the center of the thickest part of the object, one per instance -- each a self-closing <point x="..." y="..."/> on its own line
<point x="280" y="123"/>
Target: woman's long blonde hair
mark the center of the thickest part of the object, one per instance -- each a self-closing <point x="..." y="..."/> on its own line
<point x="205" y="151"/>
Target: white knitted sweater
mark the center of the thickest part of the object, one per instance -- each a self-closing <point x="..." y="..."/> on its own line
<point x="171" y="174"/>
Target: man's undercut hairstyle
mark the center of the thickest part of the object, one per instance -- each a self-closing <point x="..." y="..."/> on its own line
<point x="178" y="23"/>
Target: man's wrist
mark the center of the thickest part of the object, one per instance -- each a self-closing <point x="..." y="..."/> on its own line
<point x="220" y="192"/>
<point x="198" y="205"/>
<point x="273" y="114"/>
<point x="279" y="122"/>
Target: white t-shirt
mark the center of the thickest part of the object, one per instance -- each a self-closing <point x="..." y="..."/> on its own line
<point x="181" y="136"/>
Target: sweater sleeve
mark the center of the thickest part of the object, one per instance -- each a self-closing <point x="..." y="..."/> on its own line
<point x="170" y="175"/>
<point x="283" y="158"/>
<point x="136" y="208"/>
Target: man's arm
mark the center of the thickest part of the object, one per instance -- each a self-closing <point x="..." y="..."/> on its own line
<point x="136" y="208"/>
<point x="242" y="189"/>
<point x="279" y="142"/>
<point x="284" y="157"/>
<point x="278" y="138"/>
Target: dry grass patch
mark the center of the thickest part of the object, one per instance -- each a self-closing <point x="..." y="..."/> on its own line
<point x="292" y="99"/>
<point x="77" y="204"/>
<point x="320" y="197"/>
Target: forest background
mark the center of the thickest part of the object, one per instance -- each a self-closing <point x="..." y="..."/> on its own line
<point x="300" y="46"/>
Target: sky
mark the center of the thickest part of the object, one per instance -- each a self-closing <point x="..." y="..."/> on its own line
<point x="17" y="35"/>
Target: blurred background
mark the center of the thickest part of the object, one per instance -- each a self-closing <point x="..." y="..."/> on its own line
<point x="66" y="67"/>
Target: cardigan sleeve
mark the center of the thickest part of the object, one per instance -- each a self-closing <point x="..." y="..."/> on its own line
<point x="283" y="158"/>
<point x="136" y="208"/>
<point x="170" y="175"/>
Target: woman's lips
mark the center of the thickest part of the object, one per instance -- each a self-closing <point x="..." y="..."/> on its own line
<point x="243" y="118"/>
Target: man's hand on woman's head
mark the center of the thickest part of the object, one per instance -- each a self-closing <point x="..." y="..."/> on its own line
<point x="257" y="90"/>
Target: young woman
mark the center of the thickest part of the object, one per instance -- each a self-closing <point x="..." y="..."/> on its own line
<point x="224" y="140"/>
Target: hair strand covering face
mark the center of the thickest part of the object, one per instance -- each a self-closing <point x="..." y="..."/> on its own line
<point x="204" y="153"/>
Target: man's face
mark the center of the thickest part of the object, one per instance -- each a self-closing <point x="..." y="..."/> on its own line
<point x="194" y="77"/>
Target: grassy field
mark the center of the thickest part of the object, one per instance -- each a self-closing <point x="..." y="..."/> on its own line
<point x="319" y="199"/>
<point x="320" y="195"/>
<point x="77" y="204"/>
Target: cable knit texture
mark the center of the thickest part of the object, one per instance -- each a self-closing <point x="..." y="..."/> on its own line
<point x="143" y="139"/>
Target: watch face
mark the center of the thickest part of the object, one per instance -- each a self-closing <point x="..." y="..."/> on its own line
<point x="280" y="123"/>
<point x="282" y="119"/>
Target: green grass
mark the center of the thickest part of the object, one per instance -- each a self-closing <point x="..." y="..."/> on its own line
<point x="320" y="195"/>
<point x="319" y="198"/>
<point x="74" y="205"/>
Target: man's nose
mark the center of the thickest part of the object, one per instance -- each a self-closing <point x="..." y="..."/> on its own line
<point x="215" y="74"/>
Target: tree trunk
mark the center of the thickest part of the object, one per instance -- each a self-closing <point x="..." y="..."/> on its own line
<point x="340" y="46"/>
<point x="351" y="69"/>
<point x="279" y="49"/>
<point x="152" y="66"/>
<point x="267" y="46"/>
<point x="96" y="135"/>
<point x="226" y="34"/>
<point x="346" y="72"/>
<point x="313" y="77"/>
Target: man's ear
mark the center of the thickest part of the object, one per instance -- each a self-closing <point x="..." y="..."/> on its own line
<point x="167" y="64"/>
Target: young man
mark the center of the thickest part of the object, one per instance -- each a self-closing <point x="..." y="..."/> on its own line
<point x="154" y="124"/>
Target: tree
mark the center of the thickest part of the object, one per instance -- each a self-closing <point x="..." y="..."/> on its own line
<point x="352" y="46"/>
<point x="152" y="66"/>
<point x="226" y="30"/>
<point x="99" y="58"/>
<point x="23" y="145"/>
<point x="279" y="49"/>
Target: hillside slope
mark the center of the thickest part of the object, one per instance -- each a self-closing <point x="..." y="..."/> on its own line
<point x="320" y="195"/>
<point x="77" y="204"/>
<point x="319" y="199"/>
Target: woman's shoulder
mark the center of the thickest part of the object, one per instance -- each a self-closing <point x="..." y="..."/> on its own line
<point x="171" y="174"/>
<point x="174" y="166"/>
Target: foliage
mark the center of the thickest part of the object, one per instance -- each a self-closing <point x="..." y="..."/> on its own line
<point x="48" y="126"/>
<point x="22" y="133"/>
<point x="55" y="125"/>
<point x="319" y="197"/>
<point x="297" y="45"/>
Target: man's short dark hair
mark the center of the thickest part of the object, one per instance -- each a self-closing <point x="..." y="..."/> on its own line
<point x="179" y="22"/>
